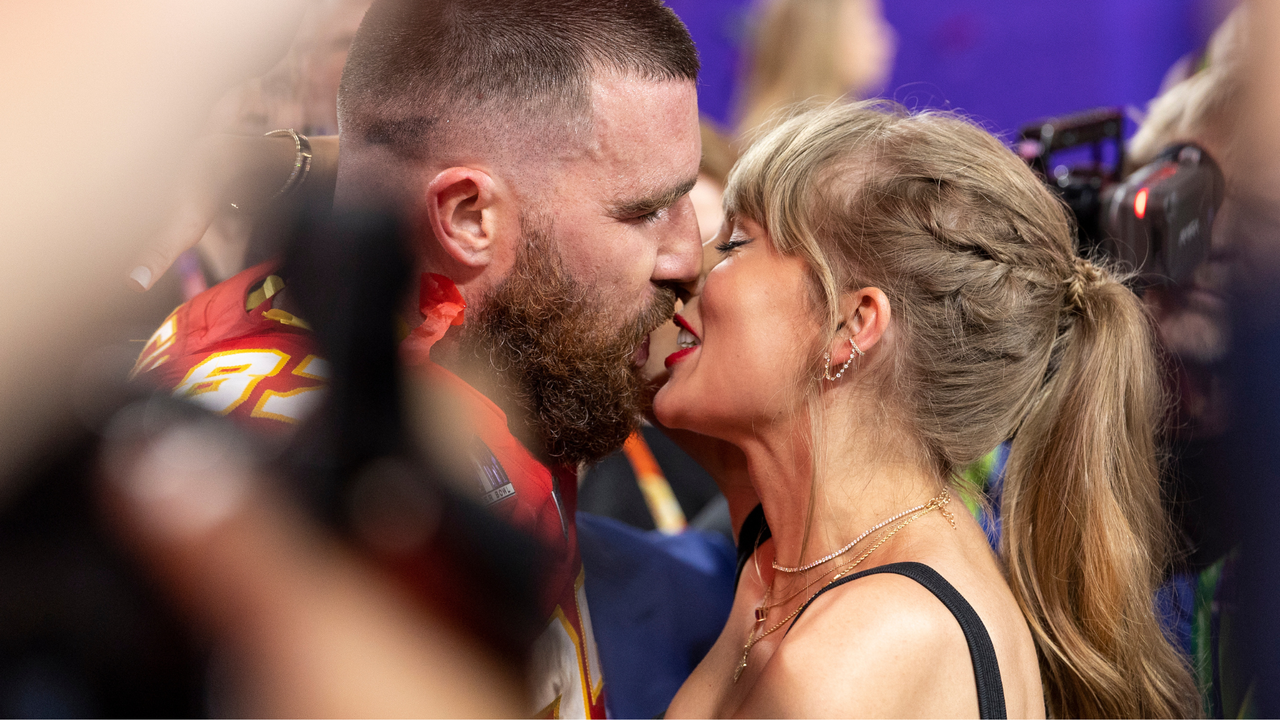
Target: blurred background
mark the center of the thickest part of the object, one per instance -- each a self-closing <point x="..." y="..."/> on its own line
<point x="1002" y="62"/>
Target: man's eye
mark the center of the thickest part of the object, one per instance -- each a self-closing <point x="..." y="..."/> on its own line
<point x="650" y="217"/>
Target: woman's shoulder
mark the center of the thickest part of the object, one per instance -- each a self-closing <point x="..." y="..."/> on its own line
<point x="882" y="644"/>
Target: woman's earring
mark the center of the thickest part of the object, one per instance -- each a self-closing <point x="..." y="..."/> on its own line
<point x="826" y="369"/>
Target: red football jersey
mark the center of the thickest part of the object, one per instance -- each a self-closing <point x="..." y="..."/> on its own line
<point x="256" y="365"/>
<point x="231" y="352"/>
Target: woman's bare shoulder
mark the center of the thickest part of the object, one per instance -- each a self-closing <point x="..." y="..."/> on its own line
<point x="880" y="646"/>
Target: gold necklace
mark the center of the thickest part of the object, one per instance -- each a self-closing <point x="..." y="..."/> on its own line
<point x="937" y="503"/>
<point x="943" y="498"/>
<point x="846" y="548"/>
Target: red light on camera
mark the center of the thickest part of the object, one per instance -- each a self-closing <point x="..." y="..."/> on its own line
<point x="1140" y="203"/>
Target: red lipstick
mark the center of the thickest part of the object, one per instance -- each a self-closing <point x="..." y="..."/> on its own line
<point x="685" y="324"/>
<point x="678" y="355"/>
<point x="682" y="353"/>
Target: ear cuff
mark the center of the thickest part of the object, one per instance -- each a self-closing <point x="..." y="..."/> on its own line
<point x="826" y="368"/>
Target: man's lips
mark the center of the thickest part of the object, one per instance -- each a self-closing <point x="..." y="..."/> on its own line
<point x="642" y="353"/>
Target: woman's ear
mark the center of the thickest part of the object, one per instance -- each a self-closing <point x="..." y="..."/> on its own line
<point x="461" y="203"/>
<point x="866" y="315"/>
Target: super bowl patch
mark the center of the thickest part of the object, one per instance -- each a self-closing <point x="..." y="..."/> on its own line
<point x="494" y="483"/>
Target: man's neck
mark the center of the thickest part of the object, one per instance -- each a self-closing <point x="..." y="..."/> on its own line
<point x="476" y="372"/>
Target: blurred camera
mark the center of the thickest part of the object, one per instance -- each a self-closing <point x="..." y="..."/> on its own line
<point x="1160" y="219"/>
<point x="1156" y="222"/>
<point x="1080" y="156"/>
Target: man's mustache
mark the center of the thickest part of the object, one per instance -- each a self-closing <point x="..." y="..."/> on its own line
<point x="659" y="311"/>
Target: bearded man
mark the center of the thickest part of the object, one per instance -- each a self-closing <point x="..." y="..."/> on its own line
<point x="542" y="152"/>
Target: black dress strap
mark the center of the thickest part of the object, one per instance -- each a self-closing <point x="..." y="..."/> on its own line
<point x="986" y="671"/>
<point x="754" y="530"/>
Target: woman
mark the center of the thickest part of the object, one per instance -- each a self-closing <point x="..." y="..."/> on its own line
<point x="898" y="295"/>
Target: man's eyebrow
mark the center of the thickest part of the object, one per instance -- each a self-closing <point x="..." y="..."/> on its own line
<point x="654" y="202"/>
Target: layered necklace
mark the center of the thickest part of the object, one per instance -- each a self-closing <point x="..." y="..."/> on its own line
<point x="762" y="611"/>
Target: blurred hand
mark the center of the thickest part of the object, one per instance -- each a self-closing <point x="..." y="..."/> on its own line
<point x="225" y="169"/>
<point x="311" y="630"/>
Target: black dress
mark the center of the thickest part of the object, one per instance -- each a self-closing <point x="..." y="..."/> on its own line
<point x="986" y="671"/>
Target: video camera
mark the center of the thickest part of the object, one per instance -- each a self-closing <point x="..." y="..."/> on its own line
<point x="1156" y="222"/>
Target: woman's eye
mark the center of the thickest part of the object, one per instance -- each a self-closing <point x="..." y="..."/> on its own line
<point x="727" y="246"/>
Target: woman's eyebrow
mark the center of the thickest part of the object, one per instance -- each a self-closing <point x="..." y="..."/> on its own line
<point x="654" y="201"/>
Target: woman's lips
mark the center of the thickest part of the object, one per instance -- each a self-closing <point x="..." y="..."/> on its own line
<point x="685" y="324"/>
<point x="683" y="352"/>
<point x="679" y="355"/>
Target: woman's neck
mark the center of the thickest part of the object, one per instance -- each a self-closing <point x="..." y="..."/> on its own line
<point x="860" y="479"/>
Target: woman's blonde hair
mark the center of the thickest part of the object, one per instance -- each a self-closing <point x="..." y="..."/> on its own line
<point x="1001" y="333"/>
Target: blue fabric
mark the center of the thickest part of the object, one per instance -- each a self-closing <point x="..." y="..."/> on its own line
<point x="1174" y="600"/>
<point x="1176" y="608"/>
<point x="657" y="602"/>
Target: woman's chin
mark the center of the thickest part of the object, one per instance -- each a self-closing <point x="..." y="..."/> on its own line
<point x="670" y="408"/>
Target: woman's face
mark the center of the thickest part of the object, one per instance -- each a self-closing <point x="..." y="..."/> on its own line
<point x="746" y="338"/>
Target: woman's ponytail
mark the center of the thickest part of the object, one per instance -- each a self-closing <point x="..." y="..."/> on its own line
<point x="1085" y="537"/>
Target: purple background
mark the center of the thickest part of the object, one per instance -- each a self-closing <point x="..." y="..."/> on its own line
<point x="1003" y="62"/>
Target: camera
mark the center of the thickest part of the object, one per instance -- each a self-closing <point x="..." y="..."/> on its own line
<point x="1157" y="221"/>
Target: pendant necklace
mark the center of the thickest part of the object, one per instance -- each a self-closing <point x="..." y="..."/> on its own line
<point x="762" y="611"/>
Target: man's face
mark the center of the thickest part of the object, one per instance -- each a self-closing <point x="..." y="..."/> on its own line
<point x="623" y="221"/>
<point x="567" y="328"/>
<point x="559" y="356"/>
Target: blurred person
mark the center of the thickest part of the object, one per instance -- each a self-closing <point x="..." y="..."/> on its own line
<point x="300" y="92"/>
<point x="718" y="157"/>
<point x="543" y="155"/>
<point x="1194" y="327"/>
<point x="1252" y="460"/>
<point x="305" y="628"/>
<point x="882" y="317"/>
<point x="1203" y="109"/>
<point x="55" y="69"/>
<point x="70" y="216"/>
<point x="814" y="49"/>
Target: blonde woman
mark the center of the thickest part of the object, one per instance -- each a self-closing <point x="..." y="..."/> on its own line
<point x="814" y="49"/>
<point x="898" y="294"/>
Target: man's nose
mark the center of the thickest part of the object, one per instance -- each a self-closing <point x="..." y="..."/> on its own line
<point x="680" y="254"/>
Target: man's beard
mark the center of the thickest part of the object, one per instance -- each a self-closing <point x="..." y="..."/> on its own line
<point x="560" y="354"/>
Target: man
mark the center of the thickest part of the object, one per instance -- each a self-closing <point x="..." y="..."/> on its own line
<point x="542" y="151"/>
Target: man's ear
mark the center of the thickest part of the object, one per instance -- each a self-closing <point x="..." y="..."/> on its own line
<point x="460" y="208"/>
<point x="866" y="315"/>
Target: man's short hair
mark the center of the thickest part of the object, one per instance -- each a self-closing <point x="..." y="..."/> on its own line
<point x="423" y="71"/>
